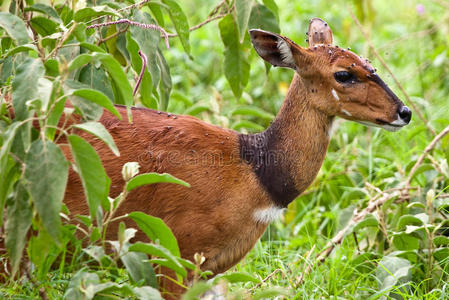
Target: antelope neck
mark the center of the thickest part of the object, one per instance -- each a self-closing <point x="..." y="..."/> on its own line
<point x="287" y="156"/>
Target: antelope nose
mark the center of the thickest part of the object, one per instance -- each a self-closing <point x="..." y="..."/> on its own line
<point x="405" y="114"/>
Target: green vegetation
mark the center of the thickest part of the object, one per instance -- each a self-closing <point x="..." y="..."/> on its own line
<point x="400" y="250"/>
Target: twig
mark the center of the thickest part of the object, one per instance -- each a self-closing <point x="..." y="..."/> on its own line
<point x="338" y="238"/>
<point x="202" y="23"/>
<point x="384" y="64"/>
<point x="112" y="35"/>
<point x="423" y="155"/>
<point x="142" y="25"/>
<point x="121" y="9"/>
<point x="144" y="65"/>
<point x="266" y="279"/>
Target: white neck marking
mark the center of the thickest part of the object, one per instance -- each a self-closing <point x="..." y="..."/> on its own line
<point x="268" y="214"/>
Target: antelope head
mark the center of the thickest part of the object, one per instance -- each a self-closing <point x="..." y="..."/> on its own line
<point x="337" y="81"/>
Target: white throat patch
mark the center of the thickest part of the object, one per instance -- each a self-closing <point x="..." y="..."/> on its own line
<point x="268" y="214"/>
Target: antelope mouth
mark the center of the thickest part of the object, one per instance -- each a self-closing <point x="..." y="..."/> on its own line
<point x="396" y="125"/>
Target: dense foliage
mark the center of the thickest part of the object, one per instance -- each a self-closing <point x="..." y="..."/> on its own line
<point x="320" y="249"/>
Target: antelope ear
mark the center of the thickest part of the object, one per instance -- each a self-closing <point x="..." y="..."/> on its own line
<point x="319" y="33"/>
<point x="275" y="49"/>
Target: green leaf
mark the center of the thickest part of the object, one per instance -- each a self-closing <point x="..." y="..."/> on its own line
<point x="271" y="5"/>
<point x="252" y="111"/>
<point x="263" y="18"/>
<point x="369" y="221"/>
<point x="403" y="241"/>
<point x="52" y="67"/>
<point x="98" y="98"/>
<point x="139" y="269"/>
<point x="165" y="84"/>
<point x="146" y="86"/>
<point x="442" y="255"/>
<point x="92" y="47"/>
<point x="236" y="66"/>
<point x="44" y="26"/>
<point x="150" y="178"/>
<point x="25" y="85"/>
<point x="162" y="252"/>
<point x="247" y="125"/>
<point x="88" y="13"/>
<point x="441" y="241"/>
<point x="18" y="221"/>
<point x="118" y="76"/>
<point x="46" y="173"/>
<point x="391" y="270"/>
<point x="156" y="229"/>
<point x="407" y="220"/>
<point x="147" y="41"/>
<point x="21" y="48"/>
<point x="198" y="289"/>
<point x="93" y="176"/>
<point x="45" y="9"/>
<point x="243" y="10"/>
<point x="237" y="277"/>
<point x="147" y="293"/>
<point x="180" y="22"/>
<point x="101" y="132"/>
<point x="80" y="61"/>
<point x="15" y="27"/>
<point x="271" y="293"/>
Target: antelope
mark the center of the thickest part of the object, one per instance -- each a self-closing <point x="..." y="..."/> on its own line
<point x="242" y="182"/>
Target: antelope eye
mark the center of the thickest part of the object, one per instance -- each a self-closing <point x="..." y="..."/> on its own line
<point x="344" y="77"/>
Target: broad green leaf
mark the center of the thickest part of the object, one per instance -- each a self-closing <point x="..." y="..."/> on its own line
<point x="15" y="27"/>
<point x="441" y="241"/>
<point x="25" y="85"/>
<point x="92" y="47"/>
<point x="18" y="221"/>
<point x="139" y="268"/>
<point x="237" y="277"/>
<point x="180" y="22"/>
<point x="148" y="41"/>
<point x="93" y="176"/>
<point x="45" y="9"/>
<point x="243" y="10"/>
<point x="147" y="293"/>
<point x="369" y="221"/>
<point x="391" y="270"/>
<point x="156" y="229"/>
<point x="408" y="220"/>
<point x="101" y="132"/>
<point x="247" y="125"/>
<point x="442" y="255"/>
<point x="87" y="108"/>
<point x="404" y="241"/>
<point x="79" y="61"/>
<point x="98" y="98"/>
<point x="271" y="5"/>
<point x="271" y="293"/>
<point x="252" y="111"/>
<point x="118" y="76"/>
<point x="263" y="18"/>
<point x="162" y="252"/>
<point x="236" y="66"/>
<point x="87" y="13"/>
<point x="146" y="85"/>
<point x="21" y="48"/>
<point x="46" y="173"/>
<point x="44" y="26"/>
<point x="150" y="178"/>
<point x="198" y="289"/>
<point x="196" y="109"/>
<point x="52" y="67"/>
<point x="165" y="84"/>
